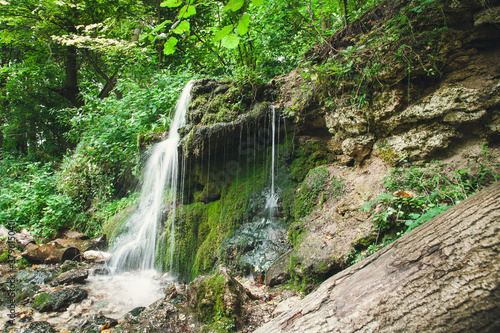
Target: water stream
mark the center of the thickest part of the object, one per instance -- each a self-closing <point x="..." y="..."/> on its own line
<point x="135" y="248"/>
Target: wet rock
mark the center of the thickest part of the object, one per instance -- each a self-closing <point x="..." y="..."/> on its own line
<point x="25" y="295"/>
<point x="37" y="327"/>
<point x="161" y="316"/>
<point x="58" y="300"/>
<point x="68" y="265"/>
<point x="134" y="313"/>
<point x="101" y="270"/>
<point x="218" y="296"/>
<point x="72" y="276"/>
<point x="37" y="275"/>
<point x="96" y="256"/>
<point x="278" y="272"/>
<point x="170" y="291"/>
<point x="96" y="324"/>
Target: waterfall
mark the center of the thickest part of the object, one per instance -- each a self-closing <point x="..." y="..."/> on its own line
<point x="136" y="247"/>
<point x="272" y="202"/>
<point x="262" y="239"/>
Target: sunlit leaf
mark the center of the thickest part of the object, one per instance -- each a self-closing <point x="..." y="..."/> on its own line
<point x="163" y="24"/>
<point x="257" y="3"/>
<point x="234" y="5"/>
<point x="223" y="32"/>
<point x="230" y="41"/>
<point x="187" y="11"/>
<point x="243" y="24"/>
<point x="171" y="3"/>
<point x="170" y="45"/>
<point x="182" y="28"/>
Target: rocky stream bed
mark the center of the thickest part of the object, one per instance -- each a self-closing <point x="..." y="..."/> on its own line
<point x="85" y="297"/>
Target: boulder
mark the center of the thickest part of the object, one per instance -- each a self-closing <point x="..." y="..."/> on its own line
<point x="96" y="256"/>
<point x="58" y="300"/>
<point x="278" y="272"/>
<point x="218" y="299"/>
<point x="358" y="148"/>
<point x="72" y="276"/>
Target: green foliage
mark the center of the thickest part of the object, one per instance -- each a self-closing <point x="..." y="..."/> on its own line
<point x="106" y="157"/>
<point x="421" y="192"/>
<point x="30" y="199"/>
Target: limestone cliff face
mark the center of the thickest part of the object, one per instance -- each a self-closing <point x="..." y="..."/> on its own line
<point x="404" y="93"/>
<point x="409" y="81"/>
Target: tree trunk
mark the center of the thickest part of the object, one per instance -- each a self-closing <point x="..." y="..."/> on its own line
<point x="50" y="253"/>
<point x="441" y="277"/>
<point x="71" y="90"/>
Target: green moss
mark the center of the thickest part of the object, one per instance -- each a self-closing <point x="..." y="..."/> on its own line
<point x="307" y="195"/>
<point x="113" y="226"/>
<point x="4" y="257"/>
<point x="295" y="233"/>
<point x="307" y="156"/>
<point x="41" y="300"/>
<point x="200" y="228"/>
<point x="390" y="156"/>
<point x="211" y="308"/>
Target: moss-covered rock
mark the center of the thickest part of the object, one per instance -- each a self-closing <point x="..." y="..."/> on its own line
<point x="200" y="228"/>
<point x="58" y="300"/>
<point x="218" y="300"/>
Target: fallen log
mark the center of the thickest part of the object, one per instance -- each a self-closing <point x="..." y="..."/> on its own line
<point x="82" y="244"/>
<point x="441" y="277"/>
<point x="50" y="253"/>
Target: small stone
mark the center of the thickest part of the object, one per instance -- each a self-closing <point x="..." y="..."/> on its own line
<point x="72" y="276"/>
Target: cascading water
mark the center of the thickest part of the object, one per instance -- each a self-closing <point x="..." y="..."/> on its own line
<point x="135" y="248"/>
<point x="263" y="237"/>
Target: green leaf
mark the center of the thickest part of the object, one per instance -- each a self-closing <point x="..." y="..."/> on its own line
<point x="243" y="24"/>
<point x="163" y="24"/>
<point x="187" y="11"/>
<point x="182" y="28"/>
<point x="170" y="45"/>
<point x="257" y="3"/>
<point x="171" y="3"/>
<point x="223" y="32"/>
<point x="230" y="41"/>
<point x="234" y="5"/>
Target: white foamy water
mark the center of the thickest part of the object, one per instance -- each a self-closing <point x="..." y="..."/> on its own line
<point x="135" y="248"/>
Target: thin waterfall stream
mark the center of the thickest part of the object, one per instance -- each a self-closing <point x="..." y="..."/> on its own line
<point x="134" y="281"/>
<point x="136" y="247"/>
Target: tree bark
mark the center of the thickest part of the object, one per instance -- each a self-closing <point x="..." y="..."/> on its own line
<point x="50" y="253"/>
<point x="71" y="90"/>
<point x="441" y="277"/>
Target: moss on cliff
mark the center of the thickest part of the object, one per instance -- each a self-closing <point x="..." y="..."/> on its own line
<point x="200" y="228"/>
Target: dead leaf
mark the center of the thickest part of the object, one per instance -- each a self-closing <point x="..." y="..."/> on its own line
<point x="403" y="194"/>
